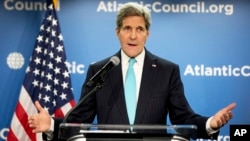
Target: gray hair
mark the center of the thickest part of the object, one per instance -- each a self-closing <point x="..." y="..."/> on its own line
<point x="133" y="9"/>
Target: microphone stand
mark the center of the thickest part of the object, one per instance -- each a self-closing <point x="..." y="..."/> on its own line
<point x="98" y="86"/>
<point x="67" y="132"/>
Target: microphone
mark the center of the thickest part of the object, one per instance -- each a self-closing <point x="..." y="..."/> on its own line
<point x="99" y="76"/>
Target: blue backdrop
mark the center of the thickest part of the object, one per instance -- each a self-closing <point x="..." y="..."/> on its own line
<point x="210" y="40"/>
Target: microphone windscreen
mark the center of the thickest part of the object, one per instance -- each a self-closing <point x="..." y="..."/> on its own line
<point x="115" y="60"/>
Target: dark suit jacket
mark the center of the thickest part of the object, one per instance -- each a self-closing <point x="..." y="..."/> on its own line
<point x="161" y="93"/>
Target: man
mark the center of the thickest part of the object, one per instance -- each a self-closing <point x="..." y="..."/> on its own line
<point x="159" y="89"/>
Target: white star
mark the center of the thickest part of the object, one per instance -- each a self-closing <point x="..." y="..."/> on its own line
<point x="50" y="65"/>
<point x="38" y="49"/>
<point x="65" y="74"/>
<point x="55" y="92"/>
<point x="52" y="44"/>
<point x="63" y="96"/>
<point x="42" y="74"/>
<point x="54" y="103"/>
<point x="36" y="72"/>
<point x="54" y="22"/>
<point x="39" y="96"/>
<point x="39" y="38"/>
<point x="58" y="59"/>
<point x="53" y="33"/>
<point x="64" y="85"/>
<point x="56" y="81"/>
<point x="28" y="69"/>
<point x="60" y="37"/>
<point x="49" y="76"/>
<point x="50" y="7"/>
<point x="47" y="87"/>
<point x="67" y="64"/>
<point x="47" y="40"/>
<point x="59" y="48"/>
<point x="42" y="27"/>
<point x="35" y="83"/>
<point x="51" y="54"/>
<point x="48" y="29"/>
<point x="49" y="18"/>
<point x="41" y="85"/>
<point x="46" y="98"/>
<point x="37" y="60"/>
<point x="45" y="52"/>
<point x="57" y="70"/>
<point x="44" y="62"/>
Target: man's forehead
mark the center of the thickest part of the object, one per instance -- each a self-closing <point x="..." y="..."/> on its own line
<point x="134" y="21"/>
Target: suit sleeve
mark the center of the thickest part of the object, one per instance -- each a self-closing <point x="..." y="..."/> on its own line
<point x="180" y="111"/>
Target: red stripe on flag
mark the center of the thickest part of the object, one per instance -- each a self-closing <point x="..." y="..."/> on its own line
<point x="72" y="103"/>
<point x="23" y="118"/>
<point x="59" y="113"/>
<point x="11" y="136"/>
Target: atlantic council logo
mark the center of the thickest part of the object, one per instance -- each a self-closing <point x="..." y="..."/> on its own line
<point x="15" y="60"/>
<point x="28" y="5"/>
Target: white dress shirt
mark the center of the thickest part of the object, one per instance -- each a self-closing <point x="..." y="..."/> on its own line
<point x="138" y="65"/>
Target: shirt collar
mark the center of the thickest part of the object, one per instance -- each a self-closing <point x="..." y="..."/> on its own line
<point x="139" y="58"/>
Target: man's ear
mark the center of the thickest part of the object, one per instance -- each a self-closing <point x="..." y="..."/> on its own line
<point x="117" y="31"/>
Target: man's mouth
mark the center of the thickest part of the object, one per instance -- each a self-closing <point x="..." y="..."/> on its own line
<point x="131" y="44"/>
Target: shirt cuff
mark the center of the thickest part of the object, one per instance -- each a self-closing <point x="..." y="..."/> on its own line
<point x="210" y="131"/>
<point x="51" y="130"/>
<point x="52" y="125"/>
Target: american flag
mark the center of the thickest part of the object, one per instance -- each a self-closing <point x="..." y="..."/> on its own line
<point x="47" y="80"/>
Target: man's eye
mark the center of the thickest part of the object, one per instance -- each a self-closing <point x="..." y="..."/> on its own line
<point x="140" y="29"/>
<point x="126" y="28"/>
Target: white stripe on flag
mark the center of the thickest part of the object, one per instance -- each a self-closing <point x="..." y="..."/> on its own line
<point x="19" y="130"/>
<point x="66" y="108"/>
<point x="26" y="102"/>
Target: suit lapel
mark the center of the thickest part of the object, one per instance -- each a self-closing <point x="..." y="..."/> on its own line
<point x="118" y="91"/>
<point x="149" y="71"/>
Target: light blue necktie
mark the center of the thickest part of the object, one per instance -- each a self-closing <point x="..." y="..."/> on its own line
<point x="130" y="91"/>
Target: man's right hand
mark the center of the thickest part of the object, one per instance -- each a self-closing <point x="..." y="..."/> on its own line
<point x="39" y="122"/>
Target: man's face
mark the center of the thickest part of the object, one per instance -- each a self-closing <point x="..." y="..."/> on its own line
<point x="132" y="35"/>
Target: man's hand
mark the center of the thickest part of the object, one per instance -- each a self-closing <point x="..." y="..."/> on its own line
<point x="39" y="122"/>
<point x="222" y="117"/>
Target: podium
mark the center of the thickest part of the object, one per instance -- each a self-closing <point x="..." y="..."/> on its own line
<point x="105" y="132"/>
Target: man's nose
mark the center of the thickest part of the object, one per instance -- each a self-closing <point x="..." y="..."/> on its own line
<point x="133" y="34"/>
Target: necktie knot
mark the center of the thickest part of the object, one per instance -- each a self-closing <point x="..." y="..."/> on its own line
<point x="131" y="61"/>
